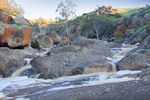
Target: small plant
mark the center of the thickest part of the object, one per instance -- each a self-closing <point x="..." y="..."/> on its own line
<point x="35" y="45"/>
<point x="119" y="35"/>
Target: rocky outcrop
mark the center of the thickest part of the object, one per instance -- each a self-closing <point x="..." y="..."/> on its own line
<point x="137" y="60"/>
<point x="6" y="18"/>
<point x="15" y="36"/>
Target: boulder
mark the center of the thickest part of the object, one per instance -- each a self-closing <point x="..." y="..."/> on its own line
<point x="44" y="41"/>
<point x="137" y="60"/>
<point x="55" y="37"/>
<point x="19" y="53"/>
<point x="9" y="64"/>
<point x="15" y="36"/>
<point x="6" y="18"/>
<point x="146" y="42"/>
<point x="93" y="43"/>
<point x="20" y="20"/>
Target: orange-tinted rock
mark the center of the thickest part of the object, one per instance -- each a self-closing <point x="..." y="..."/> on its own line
<point x="123" y="30"/>
<point x="15" y="37"/>
<point x="6" y="18"/>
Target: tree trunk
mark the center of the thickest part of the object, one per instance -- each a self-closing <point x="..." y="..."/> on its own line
<point x="97" y="35"/>
<point x="67" y="28"/>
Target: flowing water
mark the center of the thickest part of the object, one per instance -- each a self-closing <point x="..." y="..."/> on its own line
<point x="10" y="85"/>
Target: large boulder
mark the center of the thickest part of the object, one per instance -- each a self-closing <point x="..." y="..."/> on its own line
<point x="15" y="36"/>
<point x="93" y="43"/>
<point x="44" y="41"/>
<point x="6" y="18"/>
<point x="55" y="37"/>
<point x="137" y="60"/>
<point x="9" y="64"/>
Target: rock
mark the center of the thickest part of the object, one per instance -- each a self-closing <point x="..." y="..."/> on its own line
<point x="127" y="90"/>
<point x="138" y="60"/>
<point x="19" y="53"/>
<point x="93" y="43"/>
<point x="20" y="20"/>
<point x="64" y="41"/>
<point x="6" y="18"/>
<point x="129" y="32"/>
<point x="9" y="64"/>
<point x="44" y="41"/>
<point x="74" y="59"/>
<point x="147" y="18"/>
<point x="15" y="36"/>
<point x="146" y="42"/>
<point x="137" y="36"/>
<point x="140" y="37"/>
<point x="70" y="48"/>
<point x="105" y="67"/>
<point x="145" y="74"/>
<point x="55" y="37"/>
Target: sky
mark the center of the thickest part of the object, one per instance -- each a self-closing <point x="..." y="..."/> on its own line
<point x="34" y="9"/>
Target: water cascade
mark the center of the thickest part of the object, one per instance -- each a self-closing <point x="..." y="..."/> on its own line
<point x="95" y="77"/>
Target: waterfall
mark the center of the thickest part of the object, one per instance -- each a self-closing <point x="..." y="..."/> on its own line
<point x="19" y="71"/>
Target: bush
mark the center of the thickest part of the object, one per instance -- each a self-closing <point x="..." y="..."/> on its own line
<point x="35" y="45"/>
<point x="119" y="35"/>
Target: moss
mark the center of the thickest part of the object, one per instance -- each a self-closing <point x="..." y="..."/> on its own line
<point x="35" y="45"/>
<point x="17" y="24"/>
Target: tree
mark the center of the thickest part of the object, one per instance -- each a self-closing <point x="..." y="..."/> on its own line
<point x="11" y="6"/>
<point x="66" y="10"/>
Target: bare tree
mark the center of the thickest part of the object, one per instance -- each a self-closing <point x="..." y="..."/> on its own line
<point x="66" y="10"/>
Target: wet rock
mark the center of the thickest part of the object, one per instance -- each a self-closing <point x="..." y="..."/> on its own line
<point x="105" y="67"/>
<point x="137" y="60"/>
<point x="15" y="36"/>
<point x="9" y="64"/>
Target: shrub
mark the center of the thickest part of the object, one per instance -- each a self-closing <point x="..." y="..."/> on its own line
<point x="35" y="45"/>
<point x="119" y="35"/>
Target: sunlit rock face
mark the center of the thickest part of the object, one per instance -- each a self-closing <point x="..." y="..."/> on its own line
<point x="15" y="36"/>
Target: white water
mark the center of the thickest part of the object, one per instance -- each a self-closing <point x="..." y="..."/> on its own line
<point x="91" y="79"/>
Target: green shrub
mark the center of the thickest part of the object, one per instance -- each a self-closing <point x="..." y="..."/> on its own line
<point x="35" y="45"/>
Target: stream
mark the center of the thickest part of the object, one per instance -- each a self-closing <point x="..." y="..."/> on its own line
<point x="11" y="85"/>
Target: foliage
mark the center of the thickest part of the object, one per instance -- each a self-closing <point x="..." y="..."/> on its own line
<point x="11" y="6"/>
<point x="119" y="35"/>
<point x="42" y="22"/>
<point x="17" y="24"/>
<point x="35" y="45"/>
<point x="66" y="9"/>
